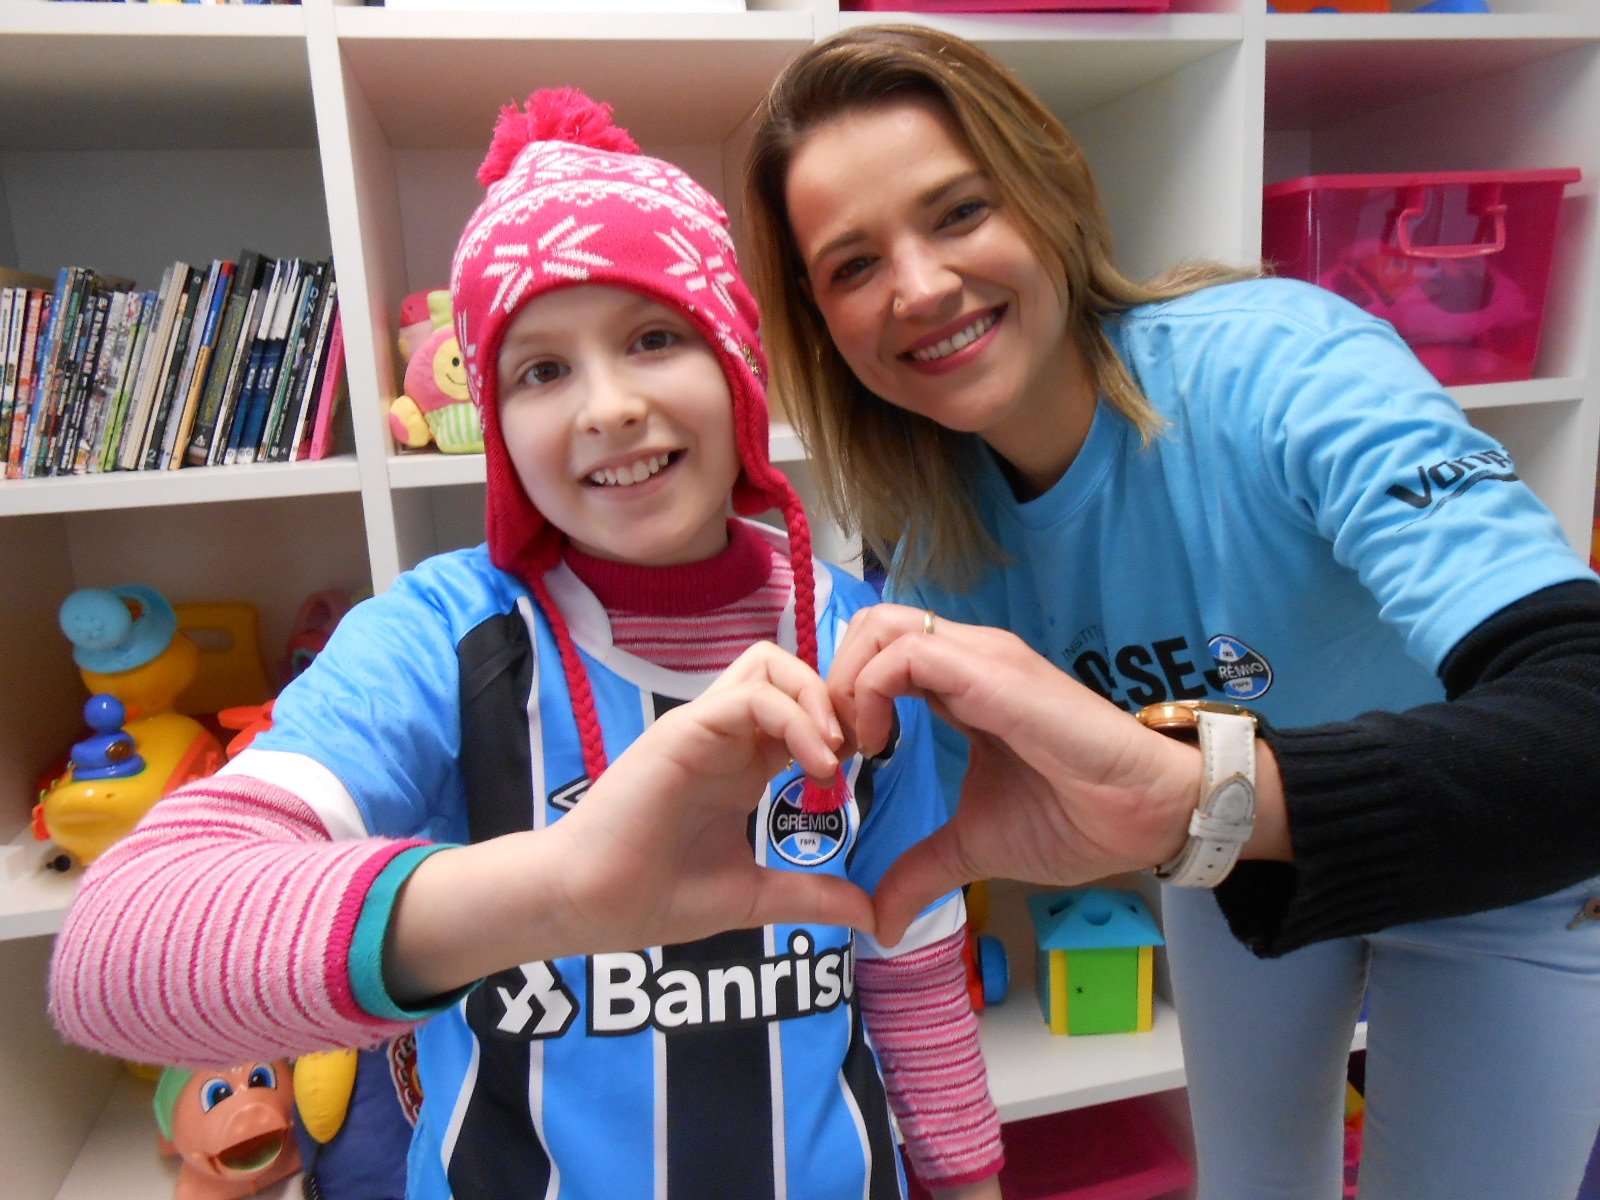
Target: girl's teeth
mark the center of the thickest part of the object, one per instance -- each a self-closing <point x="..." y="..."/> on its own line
<point x="637" y="473"/>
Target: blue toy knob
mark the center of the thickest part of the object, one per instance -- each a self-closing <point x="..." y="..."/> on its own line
<point x="110" y="753"/>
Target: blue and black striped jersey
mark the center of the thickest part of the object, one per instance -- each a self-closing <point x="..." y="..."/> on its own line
<point x="737" y="1066"/>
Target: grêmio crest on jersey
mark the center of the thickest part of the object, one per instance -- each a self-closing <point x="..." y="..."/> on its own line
<point x="806" y="839"/>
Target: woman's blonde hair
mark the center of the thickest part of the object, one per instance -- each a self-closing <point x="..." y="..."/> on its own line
<point x="899" y="479"/>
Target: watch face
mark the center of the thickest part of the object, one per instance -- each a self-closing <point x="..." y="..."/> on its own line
<point x="1170" y="717"/>
<point x="1179" y="717"/>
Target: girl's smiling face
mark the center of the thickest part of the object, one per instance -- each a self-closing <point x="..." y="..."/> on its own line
<point x="619" y="421"/>
<point x="930" y="291"/>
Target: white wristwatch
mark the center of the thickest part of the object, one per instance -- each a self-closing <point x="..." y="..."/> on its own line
<point x="1226" y="813"/>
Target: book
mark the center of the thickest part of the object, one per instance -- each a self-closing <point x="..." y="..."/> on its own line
<point x="75" y="330"/>
<point x="226" y="450"/>
<point x="170" y="417"/>
<point x="53" y="378"/>
<point x="152" y="365"/>
<point x="239" y="371"/>
<point x="322" y="437"/>
<point x="120" y="331"/>
<point x="252" y="417"/>
<point x="32" y="330"/>
<point x="166" y="396"/>
<point x="10" y="335"/>
<point x="289" y="448"/>
<point x="296" y="357"/>
<point x="102" y="381"/>
<point x="18" y="455"/>
<point x="176" y="445"/>
<point x="225" y="356"/>
<point x="103" y="456"/>
<point x="85" y="364"/>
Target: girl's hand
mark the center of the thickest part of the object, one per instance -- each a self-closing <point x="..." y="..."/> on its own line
<point x="657" y="852"/>
<point x="664" y="836"/>
<point x="1062" y="786"/>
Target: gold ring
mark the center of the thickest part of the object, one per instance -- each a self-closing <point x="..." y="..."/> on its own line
<point x="928" y="620"/>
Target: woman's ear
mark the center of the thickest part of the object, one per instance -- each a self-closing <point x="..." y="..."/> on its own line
<point x="803" y="281"/>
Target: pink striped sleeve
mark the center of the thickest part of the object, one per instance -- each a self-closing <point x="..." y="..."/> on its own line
<point x="921" y="1021"/>
<point x="218" y="930"/>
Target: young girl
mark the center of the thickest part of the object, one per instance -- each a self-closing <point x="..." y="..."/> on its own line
<point x="487" y="873"/>
<point x="1218" y="489"/>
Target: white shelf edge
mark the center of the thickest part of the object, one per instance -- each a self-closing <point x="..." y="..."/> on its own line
<point x="425" y="469"/>
<point x="1033" y="1071"/>
<point x="106" y="20"/>
<point x="33" y="898"/>
<point x="1405" y="27"/>
<point x="379" y="24"/>
<point x="1069" y="26"/>
<point x="191" y="485"/>
<point x="1563" y="390"/>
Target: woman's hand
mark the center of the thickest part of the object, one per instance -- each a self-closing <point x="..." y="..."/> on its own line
<point x="656" y="852"/>
<point x="1062" y="786"/>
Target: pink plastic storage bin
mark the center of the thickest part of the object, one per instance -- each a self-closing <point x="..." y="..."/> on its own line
<point x="1111" y="1151"/>
<point x="1457" y="261"/>
<point x="978" y="6"/>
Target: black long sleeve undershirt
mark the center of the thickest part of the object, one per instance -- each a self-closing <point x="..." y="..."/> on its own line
<point x="1488" y="798"/>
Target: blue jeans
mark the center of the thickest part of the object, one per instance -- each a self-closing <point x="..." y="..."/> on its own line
<point x="1483" y="1054"/>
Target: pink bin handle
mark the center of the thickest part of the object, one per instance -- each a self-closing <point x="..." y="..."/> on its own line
<point x="1412" y="213"/>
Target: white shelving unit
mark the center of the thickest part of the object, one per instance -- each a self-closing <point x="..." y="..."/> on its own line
<point x="133" y="136"/>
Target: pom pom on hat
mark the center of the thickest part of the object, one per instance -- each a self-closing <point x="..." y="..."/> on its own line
<point x="552" y="115"/>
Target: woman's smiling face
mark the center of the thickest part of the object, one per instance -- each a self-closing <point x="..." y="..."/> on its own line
<point x="930" y="291"/>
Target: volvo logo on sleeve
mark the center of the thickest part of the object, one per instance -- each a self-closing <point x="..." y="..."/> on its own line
<point x="1245" y="674"/>
<point x="805" y="839"/>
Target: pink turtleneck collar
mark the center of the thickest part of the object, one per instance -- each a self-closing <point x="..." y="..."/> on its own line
<point x="683" y="590"/>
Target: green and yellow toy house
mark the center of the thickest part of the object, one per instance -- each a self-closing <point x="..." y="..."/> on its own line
<point x="1096" y="960"/>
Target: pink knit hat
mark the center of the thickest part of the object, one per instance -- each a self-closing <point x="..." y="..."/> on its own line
<point x="571" y="201"/>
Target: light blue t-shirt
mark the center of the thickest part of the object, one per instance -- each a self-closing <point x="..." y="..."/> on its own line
<point x="1313" y="531"/>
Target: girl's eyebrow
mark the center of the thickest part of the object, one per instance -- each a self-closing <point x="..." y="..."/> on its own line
<point x="926" y="198"/>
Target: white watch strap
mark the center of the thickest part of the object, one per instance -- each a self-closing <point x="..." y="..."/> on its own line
<point x="1226" y="814"/>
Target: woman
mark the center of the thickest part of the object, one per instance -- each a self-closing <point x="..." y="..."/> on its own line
<point x="1201" y="489"/>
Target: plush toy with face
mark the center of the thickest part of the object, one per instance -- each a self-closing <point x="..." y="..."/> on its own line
<point x="436" y="406"/>
<point x="233" y="1128"/>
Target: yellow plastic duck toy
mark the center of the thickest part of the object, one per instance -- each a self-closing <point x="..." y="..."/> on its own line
<point x="136" y="664"/>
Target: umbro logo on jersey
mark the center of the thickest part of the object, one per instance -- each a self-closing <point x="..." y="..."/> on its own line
<point x="805" y="839"/>
<point x="568" y="794"/>
<point x="629" y="993"/>
<point x="526" y="1003"/>
<point x="1443" y="482"/>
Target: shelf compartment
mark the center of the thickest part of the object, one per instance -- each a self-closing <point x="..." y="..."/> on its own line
<point x="82" y="77"/>
<point x="671" y="79"/>
<point x="191" y="485"/>
<point x="1320" y="82"/>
